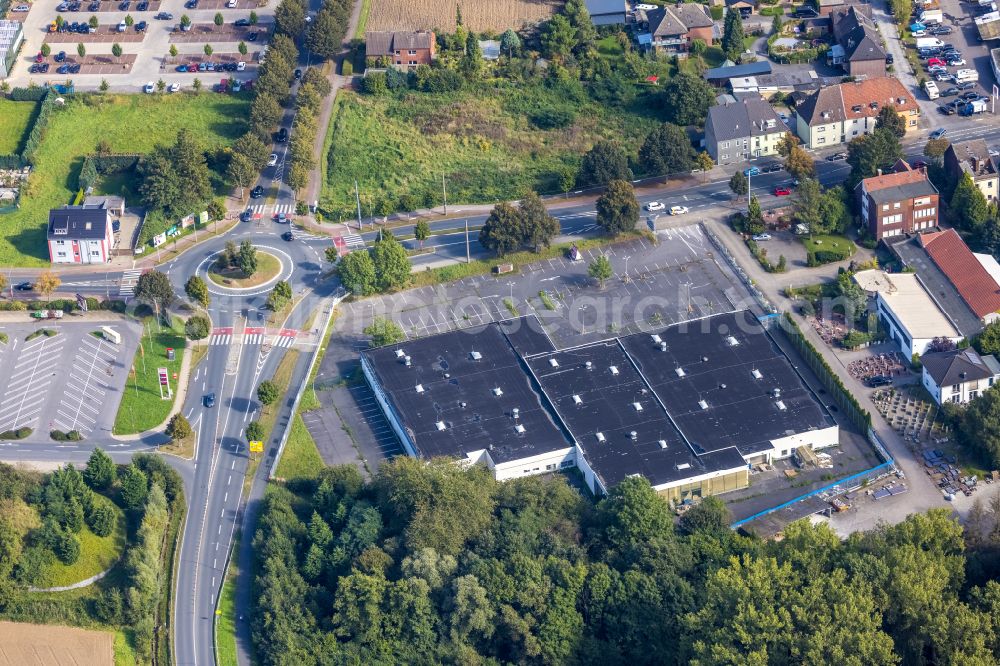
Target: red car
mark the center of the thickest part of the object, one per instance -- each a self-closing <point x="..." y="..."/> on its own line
<point x="39" y="57"/>
<point x="781" y="191"/>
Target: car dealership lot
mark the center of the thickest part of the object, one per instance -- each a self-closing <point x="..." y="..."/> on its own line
<point x="68" y="381"/>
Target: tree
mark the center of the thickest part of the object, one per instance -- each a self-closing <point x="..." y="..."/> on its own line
<point x="218" y="20"/>
<point x="185" y="21"/>
<point x="279" y="296"/>
<point x="704" y="162"/>
<point x="538" y="228"/>
<point x="197" y="327"/>
<point x="129" y="21"/>
<point x="732" y="36"/>
<point x="325" y="34"/>
<point x="667" y="150"/>
<point x="868" y="154"/>
<point x="173" y="51"/>
<point x="290" y="18"/>
<point x="422" y="231"/>
<point x="46" y="50"/>
<point x="604" y="162"/>
<point x="617" y="208"/>
<point x="216" y="210"/>
<point x="160" y="85"/>
<point x="558" y="38"/>
<point x="102" y="519"/>
<point x="383" y="332"/>
<point x="93" y="22"/>
<point x="787" y="142"/>
<point x="799" y="163"/>
<point x="806" y="205"/>
<point x="196" y="84"/>
<point x="67" y="548"/>
<point x="99" y="473"/>
<point x="578" y="16"/>
<point x="265" y="112"/>
<point x="755" y="216"/>
<point x="710" y="516"/>
<point x="392" y="265"/>
<point x="242" y="48"/>
<point x="134" y="487"/>
<point x="739" y="184"/>
<point x="81" y="50"/>
<point x="155" y="287"/>
<point x="104" y="85"/>
<point x="510" y="42"/>
<point x="208" y="50"/>
<point x="687" y="98"/>
<point x="936" y="148"/>
<point x="600" y="269"/>
<point x="968" y="205"/>
<point x="247" y="258"/>
<point x="178" y="427"/>
<point x="253" y="18"/>
<point x="892" y="121"/>
<point x="268" y="392"/>
<point x="116" y="50"/>
<point x="357" y="273"/>
<point x="502" y="230"/>
<point x="255" y="432"/>
<point x="47" y="283"/>
<point x="197" y="290"/>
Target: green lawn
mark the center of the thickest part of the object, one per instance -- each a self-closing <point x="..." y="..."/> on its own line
<point x="481" y="140"/>
<point x="366" y="10"/>
<point x="714" y="56"/>
<point x="225" y="620"/>
<point x="609" y="47"/>
<point x="14" y="120"/>
<point x="141" y="407"/>
<point x="300" y="459"/>
<point x="96" y="553"/>
<point x="131" y="123"/>
<point x="829" y="243"/>
<point x="268" y="266"/>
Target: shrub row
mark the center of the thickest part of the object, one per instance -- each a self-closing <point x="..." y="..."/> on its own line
<point x="20" y="433"/>
<point x="11" y="161"/>
<point x="820" y="257"/>
<point x="71" y="436"/>
<point x="64" y="304"/>
<point x="95" y="166"/>
<point x="38" y="129"/>
<point x="33" y="94"/>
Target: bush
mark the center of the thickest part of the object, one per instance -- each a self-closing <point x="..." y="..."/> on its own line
<point x="820" y="257"/>
<point x="20" y="433"/>
<point x="67" y="548"/>
<point x="101" y="520"/>
<point x="197" y="327"/>
<point x="854" y="339"/>
<point x="27" y="94"/>
<point x="552" y="118"/>
<point x="113" y="305"/>
<point x="71" y="436"/>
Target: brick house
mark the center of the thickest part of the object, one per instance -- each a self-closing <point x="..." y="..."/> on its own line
<point x="858" y="48"/>
<point x="402" y="50"/>
<point x="973" y="158"/>
<point x="673" y="28"/>
<point x="80" y="235"/>
<point x="843" y="112"/>
<point x="894" y="204"/>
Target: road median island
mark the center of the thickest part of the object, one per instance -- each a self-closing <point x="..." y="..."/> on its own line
<point x="142" y="408"/>
<point x="268" y="267"/>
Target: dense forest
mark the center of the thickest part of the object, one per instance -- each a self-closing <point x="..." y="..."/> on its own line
<point x="430" y="563"/>
<point x="43" y="520"/>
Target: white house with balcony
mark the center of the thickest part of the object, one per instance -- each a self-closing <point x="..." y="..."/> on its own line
<point x="958" y="376"/>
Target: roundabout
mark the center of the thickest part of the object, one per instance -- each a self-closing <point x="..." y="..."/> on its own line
<point x="272" y="265"/>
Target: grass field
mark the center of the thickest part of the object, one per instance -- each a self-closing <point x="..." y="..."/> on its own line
<point x="130" y="123"/>
<point x="268" y="266"/>
<point x="96" y="554"/>
<point x="225" y="621"/>
<point x="300" y="459"/>
<point x="477" y="15"/>
<point x="819" y="242"/>
<point x="15" y="117"/>
<point x="141" y="407"/>
<point x="482" y="140"/>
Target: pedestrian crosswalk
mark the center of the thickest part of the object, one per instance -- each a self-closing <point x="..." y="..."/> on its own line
<point x="286" y="208"/>
<point x="267" y="210"/>
<point x="127" y="282"/>
<point x="353" y="240"/>
<point x="276" y="338"/>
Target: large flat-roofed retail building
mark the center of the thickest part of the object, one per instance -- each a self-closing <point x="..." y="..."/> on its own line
<point x="689" y="407"/>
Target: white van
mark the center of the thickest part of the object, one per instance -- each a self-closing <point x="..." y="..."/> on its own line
<point x="122" y="27"/>
<point x="966" y="75"/>
<point x="929" y="43"/>
<point x="932" y="90"/>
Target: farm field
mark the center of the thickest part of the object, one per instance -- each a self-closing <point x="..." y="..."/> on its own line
<point x="29" y="644"/>
<point x="482" y="140"/>
<point x="477" y="15"/>
<point x="131" y="123"/>
<point x="14" y="120"/>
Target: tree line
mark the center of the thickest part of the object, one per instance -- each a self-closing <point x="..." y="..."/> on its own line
<point x="430" y="563"/>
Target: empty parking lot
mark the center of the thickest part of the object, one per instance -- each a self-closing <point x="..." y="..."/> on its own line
<point x="71" y="380"/>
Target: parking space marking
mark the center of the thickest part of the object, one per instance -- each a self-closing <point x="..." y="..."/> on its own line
<point x="23" y="400"/>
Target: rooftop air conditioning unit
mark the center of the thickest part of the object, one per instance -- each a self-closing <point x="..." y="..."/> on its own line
<point x="440" y="425"/>
<point x="703" y="404"/>
<point x="600" y="437"/>
<point x="613" y="369"/>
<point x="420" y="388"/>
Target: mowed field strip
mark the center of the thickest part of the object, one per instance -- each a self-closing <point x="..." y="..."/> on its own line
<point x="43" y="645"/>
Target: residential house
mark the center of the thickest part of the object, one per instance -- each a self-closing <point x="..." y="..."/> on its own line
<point x="606" y="12"/>
<point x="973" y="158"/>
<point x="827" y="7"/>
<point x="744" y="7"/>
<point x="720" y="75"/>
<point x="114" y="205"/>
<point x="840" y="113"/>
<point x="11" y="36"/>
<point x="898" y="203"/>
<point x="740" y="131"/>
<point x="976" y="277"/>
<point x="80" y="235"/>
<point x="402" y="49"/>
<point x="673" y="28"/>
<point x="958" y="376"/>
<point x="858" y="48"/>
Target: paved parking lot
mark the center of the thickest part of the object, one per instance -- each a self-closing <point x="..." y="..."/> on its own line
<point x="70" y="381"/>
<point x="105" y="33"/>
<point x="209" y="32"/>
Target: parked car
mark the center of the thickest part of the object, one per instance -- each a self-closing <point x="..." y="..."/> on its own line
<point x="140" y="26"/>
<point x="956" y="62"/>
<point x="257" y="192"/>
<point x="298" y="74"/>
<point x="281" y="218"/>
<point x="272" y="160"/>
<point x="210" y="400"/>
<point x="773" y="167"/>
<point x="968" y="85"/>
<point x="679" y="210"/>
<point x="752" y="171"/>
<point x="781" y="191"/>
<point x="251" y="36"/>
<point x="655" y="205"/>
<point x="22" y="8"/>
<point x="889" y="59"/>
<point x="191" y="4"/>
<point x="935" y="61"/>
<point x="950" y="91"/>
<point x="231" y="4"/>
<point x="938" y="133"/>
<point x="63" y="69"/>
<point x="969" y="96"/>
<point x="94" y="6"/>
<point x="43" y="68"/>
<point x="124" y="5"/>
<point x="59" y="57"/>
<point x="239" y="23"/>
<point x="241" y="66"/>
<point x="836" y="157"/>
<point x="74" y="68"/>
<point x="174" y="87"/>
<point x="164" y="16"/>
<point x="181" y="68"/>
<point x="287" y="236"/>
<point x="149" y="88"/>
<point x="282" y="135"/>
<point x="946" y="109"/>
<point x="762" y="237"/>
<point x="142" y="6"/>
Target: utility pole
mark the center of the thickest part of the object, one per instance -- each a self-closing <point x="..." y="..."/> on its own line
<point x="468" y="254"/>
<point x="357" y="197"/>
<point x="444" y="191"/>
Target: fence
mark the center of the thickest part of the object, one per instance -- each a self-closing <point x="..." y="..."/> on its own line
<point x="731" y="260"/>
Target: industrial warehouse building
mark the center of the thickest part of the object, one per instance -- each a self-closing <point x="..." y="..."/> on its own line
<point x="689" y="407"/>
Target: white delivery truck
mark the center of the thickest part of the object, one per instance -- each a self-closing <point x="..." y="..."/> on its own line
<point x="966" y="75"/>
<point x="931" y="16"/>
<point x="974" y="107"/>
<point x="929" y="43"/>
<point x="932" y="90"/>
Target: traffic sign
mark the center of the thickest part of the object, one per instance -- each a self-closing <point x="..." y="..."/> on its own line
<point x="256" y="447"/>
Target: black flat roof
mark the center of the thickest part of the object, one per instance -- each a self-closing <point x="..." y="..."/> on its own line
<point x="721" y="357"/>
<point x="614" y="415"/>
<point x="458" y="373"/>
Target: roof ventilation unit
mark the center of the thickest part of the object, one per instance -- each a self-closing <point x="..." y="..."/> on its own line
<point x="400" y="353"/>
<point x="633" y="435"/>
<point x="406" y="360"/>
<point x="776" y="393"/>
<point x="704" y="359"/>
<point x="498" y="391"/>
<point x="656" y="339"/>
<point x="703" y="404"/>
<point x="440" y="425"/>
<point x="663" y="346"/>
<point x="684" y="466"/>
<point x="516" y="413"/>
<point x="756" y="374"/>
<point x="577" y="400"/>
<point x="614" y="370"/>
<point x="519" y="428"/>
<point x="680" y="372"/>
<point x="420" y="388"/>
<point x="589" y="365"/>
<point x="732" y="341"/>
<point x="638" y="406"/>
<point x="475" y="356"/>
<point x="600" y="437"/>
<point x="554" y="363"/>
<point x="781" y="406"/>
<point x="663" y="443"/>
